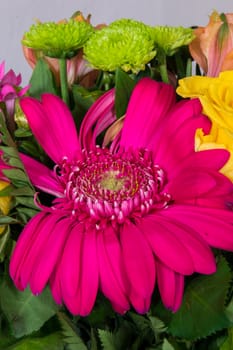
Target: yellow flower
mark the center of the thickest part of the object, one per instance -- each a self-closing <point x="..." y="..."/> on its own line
<point x="215" y="94"/>
<point x="5" y="203"/>
<point x="218" y="138"/>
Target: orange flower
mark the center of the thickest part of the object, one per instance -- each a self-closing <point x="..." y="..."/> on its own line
<point x="212" y="48"/>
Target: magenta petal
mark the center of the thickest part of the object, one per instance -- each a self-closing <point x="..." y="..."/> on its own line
<point x="171" y="286"/>
<point x="29" y="264"/>
<point x="49" y="255"/>
<point x="112" y="274"/>
<point x="166" y="246"/>
<point x="83" y="302"/>
<point x="70" y="265"/>
<point x="212" y="224"/>
<point x="149" y="103"/>
<point x="201" y="254"/>
<point x="139" y="265"/>
<point x="52" y="124"/>
<point x="41" y="176"/>
<point x="175" y="136"/>
<point x="100" y="115"/>
<point x="55" y="285"/>
<point x="23" y="248"/>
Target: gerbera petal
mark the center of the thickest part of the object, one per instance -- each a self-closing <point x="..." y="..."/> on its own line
<point x="148" y="104"/>
<point x="171" y="286"/>
<point x="41" y="176"/>
<point x="100" y="115"/>
<point x="23" y="247"/>
<point x="111" y="269"/>
<point x="83" y="302"/>
<point x="212" y="224"/>
<point x="71" y="266"/>
<point x="31" y="258"/>
<point x="175" y="137"/>
<point x="202" y="256"/>
<point x="52" y="114"/>
<point x="139" y="265"/>
<point x="55" y="285"/>
<point x="49" y="255"/>
<point x="166" y="246"/>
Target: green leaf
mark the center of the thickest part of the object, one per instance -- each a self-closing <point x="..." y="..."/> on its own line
<point x="124" y="86"/>
<point x="107" y="340"/>
<point x="83" y="99"/>
<point x="50" y="342"/>
<point x="42" y="80"/>
<point x="203" y="310"/>
<point x="70" y="333"/>
<point x="17" y="176"/>
<point x="5" y="135"/>
<point x="167" y="346"/>
<point x="11" y="155"/>
<point x="5" y="220"/>
<point x="4" y="239"/>
<point x="25" y="312"/>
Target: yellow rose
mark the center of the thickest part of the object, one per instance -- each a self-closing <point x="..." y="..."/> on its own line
<point x="218" y="138"/>
<point x="215" y="94"/>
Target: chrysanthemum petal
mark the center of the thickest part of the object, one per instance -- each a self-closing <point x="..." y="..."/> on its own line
<point x="112" y="274"/>
<point x="52" y="114"/>
<point x="149" y="102"/>
<point x="171" y="286"/>
<point x="140" y="266"/>
<point x="166" y="246"/>
<point x="41" y="176"/>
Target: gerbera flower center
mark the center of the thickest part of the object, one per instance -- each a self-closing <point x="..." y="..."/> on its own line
<point x="113" y="186"/>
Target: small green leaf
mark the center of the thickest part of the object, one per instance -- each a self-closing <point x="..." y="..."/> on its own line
<point x="167" y="346"/>
<point x="25" y="312"/>
<point x="203" y="309"/>
<point x="5" y="135"/>
<point x="124" y="86"/>
<point x="17" y="176"/>
<point x="107" y="340"/>
<point x="42" y="80"/>
<point x="4" y="239"/>
<point x="70" y="333"/>
<point x="83" y="99"/>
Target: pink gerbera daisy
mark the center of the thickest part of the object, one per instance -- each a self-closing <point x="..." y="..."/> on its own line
<point x="147" y="209"/>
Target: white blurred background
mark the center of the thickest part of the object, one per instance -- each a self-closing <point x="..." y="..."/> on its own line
<point x="18" y="15"/>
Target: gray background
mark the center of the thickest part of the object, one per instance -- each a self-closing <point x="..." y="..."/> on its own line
<point x="18" y="15"/>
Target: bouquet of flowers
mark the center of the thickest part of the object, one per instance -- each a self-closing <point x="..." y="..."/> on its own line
<point x="116" y="191"/>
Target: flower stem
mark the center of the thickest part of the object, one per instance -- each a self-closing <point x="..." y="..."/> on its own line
<point x="163" y="72"/>
<point x="63" y="79"/>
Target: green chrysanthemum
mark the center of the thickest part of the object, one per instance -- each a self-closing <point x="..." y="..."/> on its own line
<point x="169" y="39"/>
<point x="125" y="44"/>
<point x="59" y="40"/>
